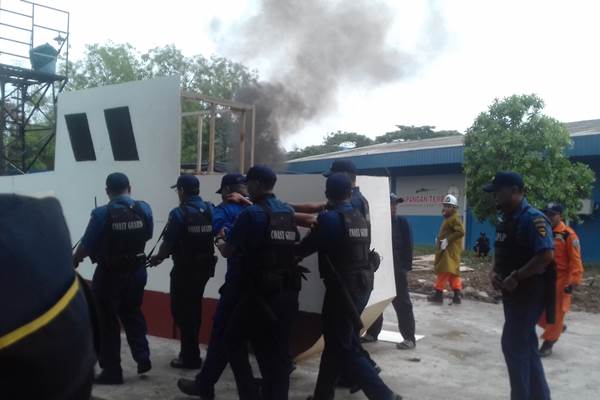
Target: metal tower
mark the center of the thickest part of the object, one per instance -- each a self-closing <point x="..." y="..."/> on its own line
<point x="29" y="83"/>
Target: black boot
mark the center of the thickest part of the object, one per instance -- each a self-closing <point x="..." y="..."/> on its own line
<point x="109" y="378"/>
<point x="190" y="388"/>
<point x="144" y="366"/>
<point x="180" y="364"/>
<point x="546" y="349"/>
<point x="457" y="297"/>
<point x="436" y="297"/>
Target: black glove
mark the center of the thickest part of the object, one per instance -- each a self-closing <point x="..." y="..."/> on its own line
<point x="374" y="260"/>
<point x="569" y="289"/>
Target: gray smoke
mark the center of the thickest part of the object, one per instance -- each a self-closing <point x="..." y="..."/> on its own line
<point x="314" y="48"/>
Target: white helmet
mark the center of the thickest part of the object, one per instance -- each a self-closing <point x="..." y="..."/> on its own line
<point x="450" y="200"/>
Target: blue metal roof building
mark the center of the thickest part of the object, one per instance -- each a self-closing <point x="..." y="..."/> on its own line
<point x="422" y="171"/>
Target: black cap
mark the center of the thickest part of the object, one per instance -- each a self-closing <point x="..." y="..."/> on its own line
<point x="396" y="199"/>
<point x="231" y="180"/>
<point x="346" y="166"/>
<point x="553" y="208"/>
<point x="338" y="186"/>
<point x="117" y="182"/>
<point x="262" y="174"/>
<point x="504" y="179"/>
<point x="188" y="183"/>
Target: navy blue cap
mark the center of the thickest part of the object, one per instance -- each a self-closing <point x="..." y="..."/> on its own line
<point x="504" y="179"/>
<point x="231" y="180"/>
<point x="553" y="208"/>
<point x="188" y="183"/>
<point x="117" y="182"/>
<point x="338" y="186"/>
<point x="346" y="166"/>
<point x="262" y="174"/>
<point x="395" y="199"/>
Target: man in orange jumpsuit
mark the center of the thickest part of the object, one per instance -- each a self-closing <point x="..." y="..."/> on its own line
<point x="569" y="271"/>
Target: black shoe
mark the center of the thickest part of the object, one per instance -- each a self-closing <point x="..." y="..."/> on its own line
<point x="292" y="367"/>
<point x="367" y="338"/>
<point x="436" y="297"/>
<point x="109" y="378"/>
<point x="546" y="349"/>
<point x="190" y="388"/>
<point x="564" y="328"/>
<point x="144" y="367"/>
<point x="179" y="364"/>
<point x="457" y="297"/>
<point x="354" y="387"/>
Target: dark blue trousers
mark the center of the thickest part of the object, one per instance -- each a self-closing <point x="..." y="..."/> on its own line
<point x="216" y="354"/>
<point x="343" y="352"/>
<point x="270" y="341"/>
<point x="187" y="292"/>
<point x="522" y="310"/>
<point x="119" y="294"/>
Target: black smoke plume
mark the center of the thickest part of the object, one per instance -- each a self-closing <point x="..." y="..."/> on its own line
<point x="314" y="47"/>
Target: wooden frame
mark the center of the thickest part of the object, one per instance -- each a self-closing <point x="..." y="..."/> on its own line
<point x="236" y="107"/>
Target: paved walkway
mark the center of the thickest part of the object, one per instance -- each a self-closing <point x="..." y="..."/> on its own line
<point x="459" y="358"/>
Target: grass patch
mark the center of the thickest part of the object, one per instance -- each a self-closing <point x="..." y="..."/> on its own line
<point x="423" y="249"/>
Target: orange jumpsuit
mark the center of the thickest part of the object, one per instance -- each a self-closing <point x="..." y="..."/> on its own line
<point x="569" y="271"/>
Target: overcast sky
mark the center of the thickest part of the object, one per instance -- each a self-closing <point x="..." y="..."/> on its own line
<point x="492" y="48"/>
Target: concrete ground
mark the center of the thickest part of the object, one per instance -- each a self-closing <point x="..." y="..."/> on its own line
<point x="459" y="358"/>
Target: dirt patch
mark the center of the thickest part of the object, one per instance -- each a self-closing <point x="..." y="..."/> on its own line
<point x="477" y="285"/>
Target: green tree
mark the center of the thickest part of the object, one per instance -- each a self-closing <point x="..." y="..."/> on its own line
<point x="347" y="139"/>
<point x="106" y="65"/>
<point x="407" y="133"/>
<point x="514" y="135"/>
<point x="334" y="141"/>
<point x="311" y="151"/>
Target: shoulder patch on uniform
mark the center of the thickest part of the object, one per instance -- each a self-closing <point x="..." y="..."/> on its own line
<point x="540" y="225"/>
<point x="576" y="244"/>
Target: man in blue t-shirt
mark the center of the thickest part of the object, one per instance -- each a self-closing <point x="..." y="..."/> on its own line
<point x="234" y="195"/>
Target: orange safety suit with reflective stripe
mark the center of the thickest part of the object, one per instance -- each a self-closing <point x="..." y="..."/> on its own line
<point x="569" y="271"/>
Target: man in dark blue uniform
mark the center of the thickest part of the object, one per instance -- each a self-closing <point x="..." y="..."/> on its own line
<point x="263" y="237"/>
<point x="115" y="239"/>
<point x="360" y="203"/>
<point x="342" y="238"/>
<point x="234" y="194"/>
<point x="402" y="247"/>
<point x="46" y="343"/>
<point x="357" y="199"/>
<point x="189" y="239"/>
<point x="522" y="262"/>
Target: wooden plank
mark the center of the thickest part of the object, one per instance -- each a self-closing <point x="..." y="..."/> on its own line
<point x="228" y="103"/>
<point x="199" y="146"/>
<point x="211" y="143"/>
<point x="252" y="135"/>
<point x="243" y="143"/>
<point x="194" y="113"/>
